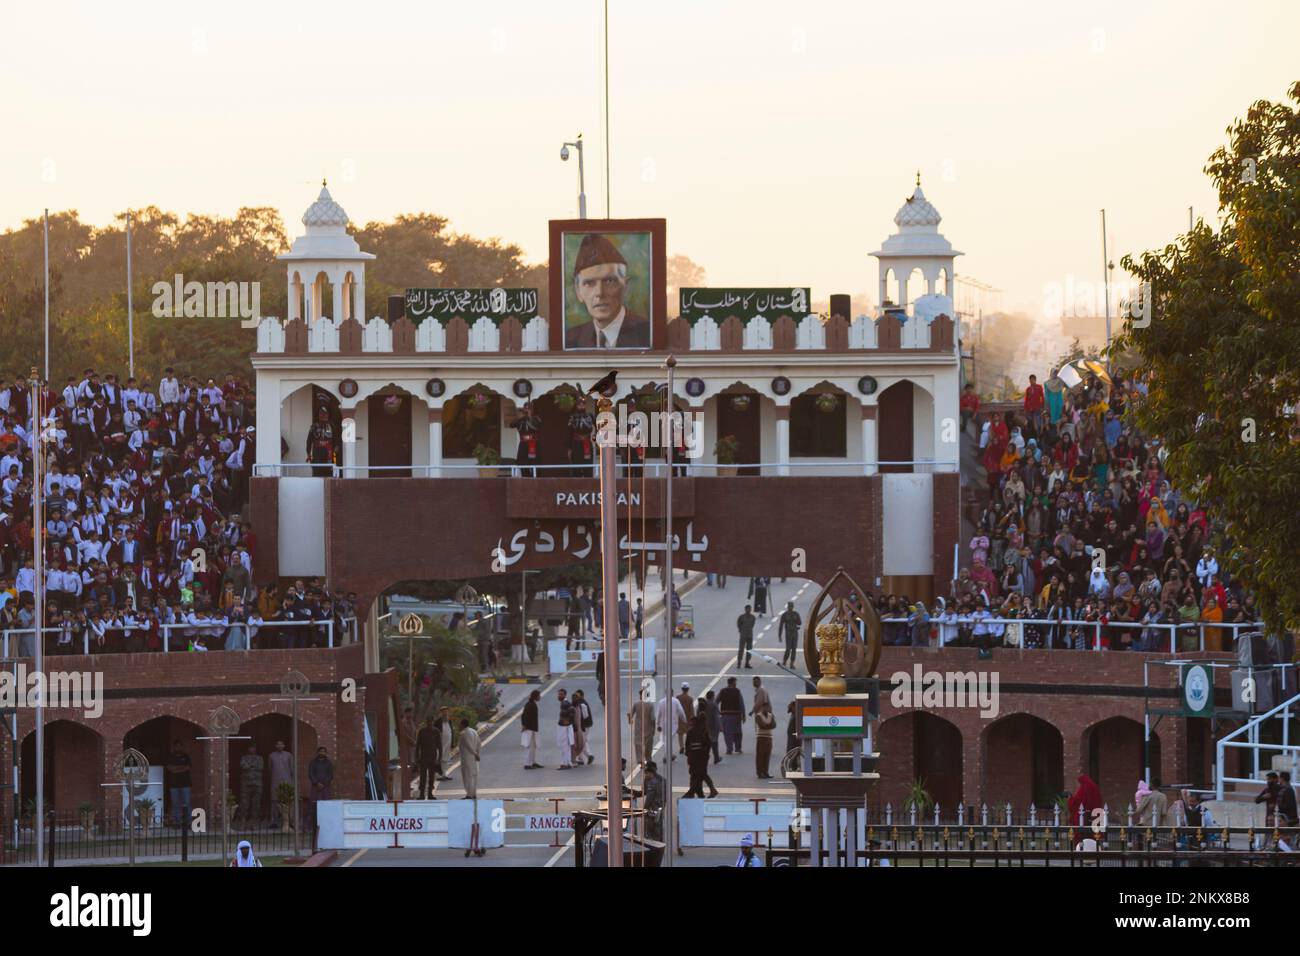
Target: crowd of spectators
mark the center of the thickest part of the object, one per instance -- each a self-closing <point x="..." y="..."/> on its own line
<point x="143" y="496"/>
<point x="1077" y="525"/>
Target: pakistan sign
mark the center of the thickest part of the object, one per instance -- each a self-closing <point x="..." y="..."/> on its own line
<point x="744" y="303"/>
<point x="470" y="304"/>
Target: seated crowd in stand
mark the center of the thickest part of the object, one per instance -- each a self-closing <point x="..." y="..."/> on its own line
<point x="143" y="491"/>
<point x="1079" y="527"/>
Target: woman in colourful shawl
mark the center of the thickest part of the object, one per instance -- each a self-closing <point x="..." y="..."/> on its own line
<point x="1157" y="513"/>
<point x="1086" y="798"/>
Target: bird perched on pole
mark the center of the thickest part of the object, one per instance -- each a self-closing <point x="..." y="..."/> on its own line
<point x="606" y="387"/>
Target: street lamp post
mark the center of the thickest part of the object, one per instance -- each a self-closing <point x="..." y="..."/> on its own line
<point x="609" y="588"/>
<point x="582" y="179"/>
<point x="670" y="611"/>
<point x="295" y="686"/>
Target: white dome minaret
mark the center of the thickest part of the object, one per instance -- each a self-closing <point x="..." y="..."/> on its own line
<point x="326" y="267"/>
<point x="918" y="244"/>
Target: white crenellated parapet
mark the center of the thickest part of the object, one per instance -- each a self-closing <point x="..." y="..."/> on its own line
<point x="323" y="336"/>
<point x="536" y="335"/>
<point x="916" y="333"/>
<point x="758" y="333"/>
<point x="377" y="336"/>
<point x="862" y="333"/>
<point x="270" y="335"/>
<point x="430" y="336"/>
<point x="484" y="336"/>
<point x="810" y="334"/>
<point x="706" y="336"/>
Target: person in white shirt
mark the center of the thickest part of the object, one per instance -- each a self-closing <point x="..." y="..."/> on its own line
<point x="678" y="721"/>
<point x="947" y="624"/>
<point x="148" y="400"/>
<point x="10" y="460"/>
<point x="169" y="389"/>
<point x="25" y="579"/>
<point x="1206" y="569"/>
<point x="130" y="393"/>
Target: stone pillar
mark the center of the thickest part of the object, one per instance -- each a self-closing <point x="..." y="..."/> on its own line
<point x="783" y="439"/>
<point x="268" y="421"/>
<point x="294" y="310"/>
<point x="349" y="425"/>
<point x="435" y="442"/>
<point x="359" y="298"/>
<point x="339" y="308"/>
<point x="870" y="455"/>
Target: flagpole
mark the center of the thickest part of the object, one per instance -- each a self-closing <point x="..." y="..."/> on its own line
<point x="670" y="616"/>
<point x="607" y="109"/>
<point x="47" y="294"/>
<point x="130" y="311"/>
<point x="38" y="588"/>
<point x="1105" y="274"/>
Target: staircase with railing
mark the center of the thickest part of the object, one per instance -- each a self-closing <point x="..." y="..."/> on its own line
<point x="1247" y="737"/>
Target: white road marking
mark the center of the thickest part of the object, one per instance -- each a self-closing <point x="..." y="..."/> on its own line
<point x="354" y="857"/>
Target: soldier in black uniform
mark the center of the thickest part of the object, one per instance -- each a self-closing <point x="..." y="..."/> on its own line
<point x="528" y="425"/>
<point x="321" y="447"/>
<point x="581" y="444"/>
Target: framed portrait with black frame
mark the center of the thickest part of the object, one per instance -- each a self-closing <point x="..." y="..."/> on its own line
<point x="609" y="291"/>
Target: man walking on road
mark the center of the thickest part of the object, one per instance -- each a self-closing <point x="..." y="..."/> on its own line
<point x="790" y="624"/>
<point x="708" y="708"/>
<point x="671" y="720"/>
<point x="470" y="754"/>
<point x="582" y="723"/>
<point x="764" y="725"/>
<point x="697" y="758"/>
<point x="745" y="624"/>
<point x="688" y="708"/>
<point x="428" y="754"/>
<point x="564" y="732"/>
<point x="761" y="696"/>
<point x="642" y="719"/>
<point x="444" y="730"/>
<point x="530" y="722"/>
<point x="732" y="707"/>
<point x="624" y="616"/>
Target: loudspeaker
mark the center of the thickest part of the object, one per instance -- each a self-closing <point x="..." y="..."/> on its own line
<point x="1252" y="650"/>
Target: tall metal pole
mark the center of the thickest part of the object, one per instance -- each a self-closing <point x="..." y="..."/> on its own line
<point x="130" y="311"/>
<point x="609" y="590"/>
<point x="607" y="109"/>
<point x="670" y="612"/>
<point x="47" y="295"/>
<point x="1105" y="272"/>
<point x="38" y="556"/>
<point x="582" y="183"/>
<point x="297" y="804"/>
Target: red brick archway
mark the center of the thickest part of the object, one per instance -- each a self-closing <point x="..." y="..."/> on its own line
<point x="1023" y="762"/>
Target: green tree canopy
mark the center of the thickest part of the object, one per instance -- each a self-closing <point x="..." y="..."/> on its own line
<point x="1221" y="355"/>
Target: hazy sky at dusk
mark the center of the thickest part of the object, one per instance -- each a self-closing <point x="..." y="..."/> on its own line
<point x="778" y="140"/>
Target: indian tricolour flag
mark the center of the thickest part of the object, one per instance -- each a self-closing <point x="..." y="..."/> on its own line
<point x="833" y="721"/>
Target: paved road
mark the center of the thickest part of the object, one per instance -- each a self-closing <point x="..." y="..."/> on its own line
<point x="704" y="663"/>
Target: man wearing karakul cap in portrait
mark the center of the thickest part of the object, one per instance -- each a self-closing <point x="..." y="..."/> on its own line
<point x="600" y="283"/>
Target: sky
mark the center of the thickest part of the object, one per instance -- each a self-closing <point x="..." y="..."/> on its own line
<point x="778" y="140"/>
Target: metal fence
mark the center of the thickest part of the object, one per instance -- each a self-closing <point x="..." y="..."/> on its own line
<point x="652" y="469"/>
<point x="106" y="837"/>
<point x="1061" y="633"/>
<point x="177" y="637"/>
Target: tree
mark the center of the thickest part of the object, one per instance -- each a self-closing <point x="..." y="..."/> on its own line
<point x="1220" y="355"/>
<point x="682" y="273"/>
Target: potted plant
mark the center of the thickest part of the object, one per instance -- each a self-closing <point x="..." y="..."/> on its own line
<point x="917" y="797"/>
<point x="741" y="402"/>
<point x="86" y="813"/>
<point x="725" y="449"/>
<point x="28" y="812"/>
<point x="564" y="401"/>
<point x="144" y="808"/>
<point x="827" y="402"/>
<point x="284" y="800"/>
<point x="488" y="458"/>
<point x="232" y="807"/>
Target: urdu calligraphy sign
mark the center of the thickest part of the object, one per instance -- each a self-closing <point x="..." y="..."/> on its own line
<point x="744" y="303"/>
<point x="469" y="304"/>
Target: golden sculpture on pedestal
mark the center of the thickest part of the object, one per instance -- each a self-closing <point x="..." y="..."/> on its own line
<point x="859" y="633"/>
<point x="830" y="658"/>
